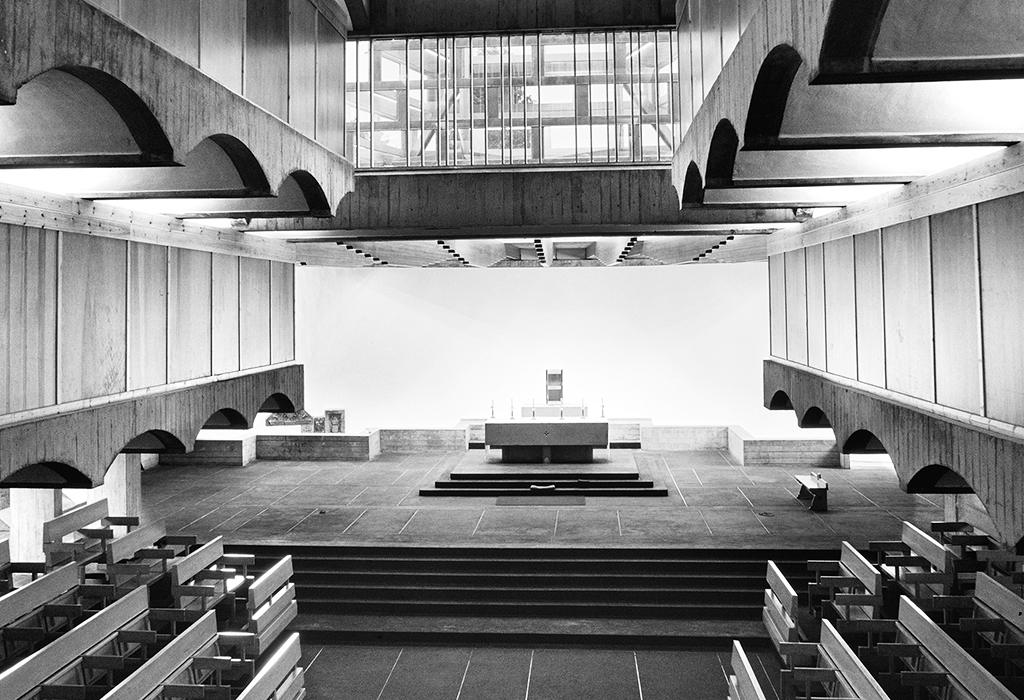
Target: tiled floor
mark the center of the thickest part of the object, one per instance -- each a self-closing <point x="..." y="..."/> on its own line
<point x="711" y="503"/>
<point x="496" y="673"/>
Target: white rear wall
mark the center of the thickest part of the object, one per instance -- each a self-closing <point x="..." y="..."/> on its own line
<point x="426" y="347"/>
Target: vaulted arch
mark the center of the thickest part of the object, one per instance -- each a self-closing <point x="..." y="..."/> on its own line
<point x="693" y="185"/>
<point x="863" y="442"/>
<point x="769" y="97"/>
<point x="277" y="403"/>
<point x="814" y="417"/>
<point x="77" y="115"/>
<point x="936" y="478"/>
<point x="722" y="155"/>
<point x="780" y="402"/>
<point x="47" y="475"/>
<point x="226" y="419"/>
<point x="154" y="442"/>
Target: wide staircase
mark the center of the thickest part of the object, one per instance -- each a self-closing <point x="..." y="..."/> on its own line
<point x="652" y="597"/>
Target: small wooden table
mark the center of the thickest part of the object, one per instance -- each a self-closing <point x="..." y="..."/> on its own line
<point x="813" y="488"/>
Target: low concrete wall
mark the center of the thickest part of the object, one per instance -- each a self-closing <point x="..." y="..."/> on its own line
<point x="319" y="447"/>
<point x="422" y="440"/>
<point x="624" y="434"/>
<point x="221" y="453"/>
<point x="750" y="451"/>
<point x="684" y="437"/>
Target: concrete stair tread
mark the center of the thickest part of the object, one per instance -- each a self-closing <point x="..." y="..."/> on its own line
<point x="576" y="626"/>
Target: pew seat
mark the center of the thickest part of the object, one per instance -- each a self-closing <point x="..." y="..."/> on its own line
<point x="849" y="589"/>
<point x="918" y="564"/>
<point x="206" y="577"/>
<point x="913" y="652"/>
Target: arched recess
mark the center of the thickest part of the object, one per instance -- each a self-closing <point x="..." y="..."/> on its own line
<point x="814" y="417"/>
<point x="75" y="115"/>
<point x="850" y="34"/>
<point x="154" y="442"/>
<point x="722" y="155"/>
<point x="277" y="403"/>
<point x="863" y="442"/>
<point x="780" y="402"/>
<point x="226" y="419"/>
<point x="936" y="478"/>
<point x="316" y="199"/>
<point x="769" y="97"/>
<point x="693" y="185"/>
<point x="47" y="475"/>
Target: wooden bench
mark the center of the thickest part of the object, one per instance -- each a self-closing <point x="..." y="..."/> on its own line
<point x="37" y="612"/>
<point x="206" y="577"/>
<point x="196" y="663"/>
<point x="851" y="588"/>
<point x="143" y="555"/>
<point x="9" y="570"/>
<point x="837" y="673"/>
<point x="920" y="565"/>
<point x="916" y="653"/>
<point x="280" y="677"/>
<point x="814" y="489"/>
<point x="993" y="621"/>
<point x="743" y="684"/>
<point x="780" y="617"/>
<point x="82" y="534"/>
<point x="271" y="605"/>
<point x="90" y="648"/>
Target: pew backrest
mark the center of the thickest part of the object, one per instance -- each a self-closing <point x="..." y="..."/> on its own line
<point x="22" y="601"/>
<point x="858" y="566"/>
<point x="271" y="604"/>
<point x="782" y="590"/>
<point x="962" y="668"/>
<point x="924" y="545"/>
<point x="179" y="652"/>
<point x="280" y="678"/>
<point x="266" y="585"/>
<point x="845" y="660"/>
<point x="188" y="567"/>
<point x="1006" y="604"/>
<point x="125" y="547"/>
<point x="55" y="530"/>
<point x="5" y="552"/>
<point x="34" y="670"/>
<point x="743" y="684"/>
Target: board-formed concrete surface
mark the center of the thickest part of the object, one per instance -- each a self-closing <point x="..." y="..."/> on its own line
<point x="712" y="502"/>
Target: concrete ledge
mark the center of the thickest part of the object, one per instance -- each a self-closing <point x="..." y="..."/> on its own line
<point x="222" y="453"/>
<point x="319" y="447"/>
<point x="684" y="437"/>
<point x="751" y="452"/>
<point x="422" y="440"/>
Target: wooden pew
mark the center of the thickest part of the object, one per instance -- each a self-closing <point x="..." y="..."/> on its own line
<point x="77" y="651"/>
<point x="147" y="680"/>
<point x="979" y="552"/>
<point x="922" y="656"/>
<point x="993" y="621"/>
<point x="271" y="604"/>
<point x="142" y="556"/>
<point x="743" y="683"/>
<point x="206" y="577"/>
<point x="89" y="527"/>
<point x="780" y="617"/>
<point x="852" y="588"/>
<point x="920" y="565"/>
<point x="838" y="672"/>
<point x="280" y="677"/>
<point x="10" y="569"/>
<point x="42" y="609"/>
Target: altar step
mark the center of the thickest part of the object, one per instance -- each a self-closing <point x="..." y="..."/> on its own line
<point x="367" y="592"/>
<point x="534" y="483"/>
